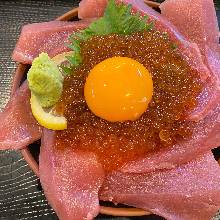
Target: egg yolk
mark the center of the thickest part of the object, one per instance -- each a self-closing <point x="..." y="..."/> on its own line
<point x="118" y="89"/>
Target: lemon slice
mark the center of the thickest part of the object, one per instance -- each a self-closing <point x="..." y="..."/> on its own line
<point x="47" y="119"/>
<point x="60" y="58"/>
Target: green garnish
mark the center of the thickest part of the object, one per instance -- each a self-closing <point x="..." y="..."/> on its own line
<point x="45" y="80"/>
<point x="117" y="19"/>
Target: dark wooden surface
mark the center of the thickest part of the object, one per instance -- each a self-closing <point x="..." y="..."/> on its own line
<point x="21" y="196"/>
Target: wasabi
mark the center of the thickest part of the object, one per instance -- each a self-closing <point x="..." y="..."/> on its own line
<point x="45" y="80"/>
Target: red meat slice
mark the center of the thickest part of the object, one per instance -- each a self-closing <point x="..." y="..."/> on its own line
<point x="91" y="8"/>
<point x="205" y="136"/>
<point x="49" y="37"/>
<point x="18" y="127"/>
<point x="71" y="180"/>
<point x="191" y="191"/>
<point x="197" y="21"/>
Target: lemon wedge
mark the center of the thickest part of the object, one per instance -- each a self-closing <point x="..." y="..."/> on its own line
<point x="60" y="58"/>
<point x="49" y="119"/>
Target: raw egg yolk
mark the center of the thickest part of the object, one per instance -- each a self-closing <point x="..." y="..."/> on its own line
<point x="118" y="89"/>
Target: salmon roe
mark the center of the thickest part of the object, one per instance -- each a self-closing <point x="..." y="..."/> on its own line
<point x="176" y="86"/>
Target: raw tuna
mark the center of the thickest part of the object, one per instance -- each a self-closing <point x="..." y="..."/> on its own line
<point x="199" y="24"/>
<point x="91" y="8"/>
<point x="205" y="136"/>
<point x="71" y="180"/>
<point x="49" y="37"/>
<point x="18" y="127"/>
<point x="191" y="191"/>
<point x="195" y="19"/>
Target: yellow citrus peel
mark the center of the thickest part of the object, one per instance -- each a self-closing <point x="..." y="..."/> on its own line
<point x="49" y="119"/>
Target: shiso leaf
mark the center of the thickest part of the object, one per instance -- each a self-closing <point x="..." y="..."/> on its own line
<point x="117" y="19"/>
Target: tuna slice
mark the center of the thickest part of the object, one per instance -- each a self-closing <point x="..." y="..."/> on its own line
<point x="199" y="24"/>
<point x="91" y="8"/>
<point x="205" y="136"/>
<point x="191" y="191"/>
<point x="71" y="180"/>
<point x="18" y="127"/>
<point x="49" y="37"/>
<point x="195" y="19"/>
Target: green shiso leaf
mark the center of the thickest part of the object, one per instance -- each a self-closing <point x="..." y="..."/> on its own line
<point x="117" y="19"/>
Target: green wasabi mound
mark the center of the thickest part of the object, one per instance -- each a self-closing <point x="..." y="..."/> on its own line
<point x="45" y="80"/>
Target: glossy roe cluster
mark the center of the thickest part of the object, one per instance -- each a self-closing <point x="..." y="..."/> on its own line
<point x="176" y="87"/>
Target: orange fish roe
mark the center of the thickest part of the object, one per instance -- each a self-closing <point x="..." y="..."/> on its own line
<point x="176" y="86"/>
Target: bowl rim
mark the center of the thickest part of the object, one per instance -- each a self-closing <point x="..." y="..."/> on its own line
<point x="18" y="75"/>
